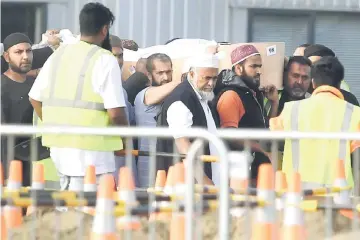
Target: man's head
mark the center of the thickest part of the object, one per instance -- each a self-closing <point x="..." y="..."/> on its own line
<point x="297" y="76"/>
<point x="159" y="67"/>
<point x="317" y="51"/>
<point x="246" y="63"/>
<point x="18" y="53"/>
<point x="95" y="21"/>
<point x="327" y="71"/>
<point x="117" y="49"/>
<point x="299" y="51"/>
<point x="130" y="44"/>
<point x="141" y="66"/>
<point x="203" y="75"/>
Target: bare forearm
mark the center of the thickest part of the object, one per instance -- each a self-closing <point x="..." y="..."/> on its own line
<point x="274" y="110"/>
<point x="118" y="116"/>
<point x="155" y="95"/>
<point x="37" y="107"/>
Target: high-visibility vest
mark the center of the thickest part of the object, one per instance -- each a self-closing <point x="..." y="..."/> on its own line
<point x="267" y="103"/>
<point x="69" y="99"/>
<point x="50" y="173"/>
<point x="315" y="159"/>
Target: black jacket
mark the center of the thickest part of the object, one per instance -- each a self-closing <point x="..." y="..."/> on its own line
<point x="254" y="109"/>
<point x="185" y="93"/>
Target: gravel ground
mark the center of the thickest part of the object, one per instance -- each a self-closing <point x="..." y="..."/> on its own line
<point x="48" y="224"/>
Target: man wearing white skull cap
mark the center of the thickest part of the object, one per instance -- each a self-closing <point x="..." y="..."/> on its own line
<point x="187" y="106"/>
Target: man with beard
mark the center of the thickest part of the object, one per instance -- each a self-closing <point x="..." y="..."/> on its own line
<point x="15" y="86"/>
<point x="186" y="107"/>
<point x="79" y="86"/>
<point x="148" y="102"/>
<point x="296" y="84"/>
<point x="239" y="103"/>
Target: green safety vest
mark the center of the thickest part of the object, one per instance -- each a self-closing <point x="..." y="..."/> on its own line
<point x="50" y="172"/>
<point x="69" y="99"/>
<point x="315" y="159"/>
<point x="267" y="104"/>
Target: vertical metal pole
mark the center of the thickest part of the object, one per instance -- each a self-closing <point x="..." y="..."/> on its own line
<point x="172" y="18"/>
<point x="131" y="20"/>
<point x="117" y="18"/>
<point x="152" y="176"/>
<point x="189" y="196"/>
<point x="76" y="14"/>
<point x="158" y="22"/>
<point x="144" y="23"/>
<point x="227" y="20"/>
<point x="224" y="197"/>
<point x="38" y="24"/>
<point x="186" y="16"/>
<point x="212" y="20"/>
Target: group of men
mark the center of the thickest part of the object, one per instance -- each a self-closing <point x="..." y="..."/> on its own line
<point x="80" y="85"/>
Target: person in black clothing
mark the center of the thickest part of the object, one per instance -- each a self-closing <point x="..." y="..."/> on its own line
<point x="15" y="86"/>
<point x="239" y="102"/>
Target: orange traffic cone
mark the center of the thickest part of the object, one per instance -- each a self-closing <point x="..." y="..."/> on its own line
<point x="38" y="183"/>
<point x="170" y="181"/>
<point x="104" y="220"/>
<point x="280" y="187"/>
<point x="168" y="189"/>
<point x="126" y="193"/>
<point x="160" y="180"/>
<point x="265" y="227"/>
<point x="3" y="230"/>
<point x="177" y="227"/>
<point x="13" y="215"/>
<point x="293" y="228"/>
<point x="159" y="186"/>
<point x="90" y="186"/>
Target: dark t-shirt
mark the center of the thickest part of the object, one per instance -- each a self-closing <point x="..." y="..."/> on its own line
<point x="15" y="104"/>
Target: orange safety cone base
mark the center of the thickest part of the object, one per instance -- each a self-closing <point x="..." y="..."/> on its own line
<point x="128" y="225"/>
<point x="177" y="227"/>
<point x="265" y="231"/>
<point x="294" y="233"/>
<point x="13" y="217"/>
<point x="349" y="214"/>
<point x="109" y="236"/>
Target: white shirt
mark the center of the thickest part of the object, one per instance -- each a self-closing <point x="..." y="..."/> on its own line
<point x="106" y="81"/>
<point x="180" y="117"/>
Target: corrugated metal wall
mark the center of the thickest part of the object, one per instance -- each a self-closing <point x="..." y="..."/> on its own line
<point x="291" y="29"/>
<point x="151" y="22"/>
<point x="342" y="34"/>
<point x="339" y="31"/>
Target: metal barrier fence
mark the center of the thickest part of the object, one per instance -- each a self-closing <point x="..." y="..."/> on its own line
<point x="187" y="197"/>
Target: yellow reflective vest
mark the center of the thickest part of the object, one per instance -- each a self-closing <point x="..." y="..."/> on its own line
<point x="69" y="99"/>
<point x="315" y="159"/>
<point x="50" y="173"/>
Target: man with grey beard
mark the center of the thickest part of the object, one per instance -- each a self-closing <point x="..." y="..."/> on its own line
<point x="186" y="107"/>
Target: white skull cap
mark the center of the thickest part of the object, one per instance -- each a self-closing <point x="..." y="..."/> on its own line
<point x="204" y="61"/>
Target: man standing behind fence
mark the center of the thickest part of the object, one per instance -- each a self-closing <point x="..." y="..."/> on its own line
<point x="324" y="111"/>
<point x="79" y="86"/>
